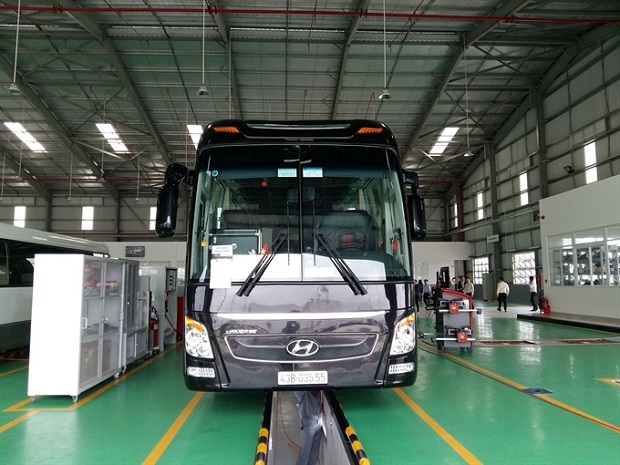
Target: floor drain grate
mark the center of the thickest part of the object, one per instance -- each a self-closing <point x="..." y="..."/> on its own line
<point x="537" y="391"/>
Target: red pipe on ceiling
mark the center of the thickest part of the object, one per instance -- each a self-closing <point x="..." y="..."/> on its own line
<point x="118" y="179"/>
<point x="378" y="14"/>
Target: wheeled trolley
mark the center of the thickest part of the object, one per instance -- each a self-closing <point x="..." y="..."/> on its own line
<point x="454" y="321"/>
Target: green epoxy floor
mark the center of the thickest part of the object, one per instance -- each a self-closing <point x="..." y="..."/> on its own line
<point x="464" y="408"/>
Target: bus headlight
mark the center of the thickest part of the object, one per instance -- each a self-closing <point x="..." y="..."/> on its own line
<point x="403" y="340"/>
<point x="197" y="342"/>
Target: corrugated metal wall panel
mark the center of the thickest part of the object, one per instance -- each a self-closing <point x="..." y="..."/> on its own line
<point x="556" y="102"/>
<point x="611" y="65"/>
<point x="589" y="78"/>
<point x="589" y="111"/>
<point x="559" y="148"/>
<point x="557" y="128"/>
<point x="613" y="97"/>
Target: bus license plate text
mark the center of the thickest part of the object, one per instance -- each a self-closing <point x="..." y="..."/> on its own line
<point x="293" y="378"/>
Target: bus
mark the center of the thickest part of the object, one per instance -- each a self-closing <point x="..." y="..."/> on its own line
<point x="17" y="249"/>
<point x="299" y="260"/>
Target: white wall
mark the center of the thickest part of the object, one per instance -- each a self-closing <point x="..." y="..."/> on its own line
<point x="429" y="257"/>
<point x="591" y="206"/>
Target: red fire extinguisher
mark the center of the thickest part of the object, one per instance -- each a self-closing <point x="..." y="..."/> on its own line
<point x="545" y="307"/>
<point x="154" y="329"/>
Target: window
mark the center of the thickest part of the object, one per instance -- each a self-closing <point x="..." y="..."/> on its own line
<point x="523" y="266"/>
<point x="153" y="214"/>
<point x="481" y="267"/>
<point x="88" y="215"/>
<point x="525" y="196"/>
<point x="589" y="152"/>
<point x="19" y="216"/>
<point x="586" y="258"/>
<point x="480" y="205"/>
<point x="455" y="210"/>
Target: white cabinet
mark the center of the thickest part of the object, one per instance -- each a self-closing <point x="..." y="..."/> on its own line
<point x="78" y="304"/>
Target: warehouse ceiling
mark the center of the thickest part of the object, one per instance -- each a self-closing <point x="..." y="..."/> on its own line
<point x="66" y="66"/>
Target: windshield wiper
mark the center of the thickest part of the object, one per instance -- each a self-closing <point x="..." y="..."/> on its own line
<point x="262" y="265"/>
<point x="342" y="267"/>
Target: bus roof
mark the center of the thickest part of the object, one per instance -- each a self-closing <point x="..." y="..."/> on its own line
<point x="362" y="132"/>
<point x="32" y="236"/>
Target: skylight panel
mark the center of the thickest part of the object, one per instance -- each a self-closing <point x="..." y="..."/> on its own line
<point x="112" y="137"/>
<point x="195" y="131"/>
<point x="25" y="137"/>
<point x="443" y="140"/>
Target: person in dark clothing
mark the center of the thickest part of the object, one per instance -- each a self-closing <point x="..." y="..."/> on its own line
<point x="308" y="403"/>
<point x="418" y="294"/>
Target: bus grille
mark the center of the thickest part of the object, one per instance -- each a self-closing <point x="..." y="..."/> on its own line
<point x="272" y="348"/>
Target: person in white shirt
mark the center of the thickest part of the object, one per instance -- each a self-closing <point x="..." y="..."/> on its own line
<point x="502" y="295"/>
<point x="468" y="288"/>
<point x="533" y="293"/>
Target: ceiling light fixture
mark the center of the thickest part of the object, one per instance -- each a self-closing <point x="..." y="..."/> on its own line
<point x="195" y="131"/>
<point x="385" y="93"/>
<point x="13" y="87"/>
<point x="112" y="137"/>
<point x="202" y="90"/>
<point x="25" y="137"/>
<point x="468" y="153"/>
<point x="443" y="140"/>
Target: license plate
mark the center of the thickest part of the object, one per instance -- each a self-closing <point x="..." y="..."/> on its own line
<point x="297" y="378"/>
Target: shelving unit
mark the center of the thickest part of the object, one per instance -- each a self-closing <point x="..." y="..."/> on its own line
<point x="78" y="306"/>
<point x="136" y="318"/>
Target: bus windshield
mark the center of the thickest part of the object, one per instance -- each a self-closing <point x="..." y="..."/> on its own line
<point x="310" y="208"/>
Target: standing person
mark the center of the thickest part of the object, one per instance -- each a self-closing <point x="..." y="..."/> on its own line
<point x="468" y="288"/>
<point x="426" y="292"/>
<point x="460" y="284"/>
<point x="502" y="295"/>
<point x="309" y="406"/>
<point x="418" y="294"/>
<point x="533" y="293"/>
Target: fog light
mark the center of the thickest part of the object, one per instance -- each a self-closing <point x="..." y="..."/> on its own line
<point x="400" y="368"/>
<point x="200" y="372"/>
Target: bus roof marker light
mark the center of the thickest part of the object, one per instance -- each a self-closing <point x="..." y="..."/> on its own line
<point x="227" y="129"/>
<point x="369" y="130"/>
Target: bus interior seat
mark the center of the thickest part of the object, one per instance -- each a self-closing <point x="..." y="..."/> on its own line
<point x="354" y="229"/>
<point x="248" y="219"/>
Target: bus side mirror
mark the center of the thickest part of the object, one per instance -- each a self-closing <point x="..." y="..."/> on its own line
<point x="166" y="216"/>
<point x="417" y="217"/>
<point x="415" y="204"/>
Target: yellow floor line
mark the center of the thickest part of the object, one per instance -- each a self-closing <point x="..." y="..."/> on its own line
<point x="17" y="421"/>
<point x="167" y="438"/>
<point x="443" y="434"/>
<point x="18" y="407"/>
<point x="520" y="387"/>
<point x="13" y="371"/>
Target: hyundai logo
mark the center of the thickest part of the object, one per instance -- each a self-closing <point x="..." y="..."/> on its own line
<point x="302" y="348"/>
